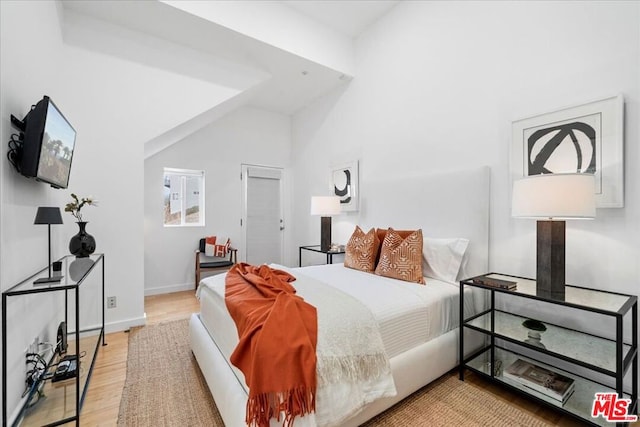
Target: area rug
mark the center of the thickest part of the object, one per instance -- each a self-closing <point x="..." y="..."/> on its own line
<point x="164" y="387"/>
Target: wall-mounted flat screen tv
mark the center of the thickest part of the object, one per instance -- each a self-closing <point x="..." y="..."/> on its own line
<point x="47" y="143"/>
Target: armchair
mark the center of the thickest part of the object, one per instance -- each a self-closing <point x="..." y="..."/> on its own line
<point x="205" y="263"/>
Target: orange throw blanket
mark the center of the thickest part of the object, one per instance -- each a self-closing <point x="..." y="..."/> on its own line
<point x="278" y="333"/>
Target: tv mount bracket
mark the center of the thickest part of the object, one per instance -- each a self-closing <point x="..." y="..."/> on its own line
<point x="19" y="124"/>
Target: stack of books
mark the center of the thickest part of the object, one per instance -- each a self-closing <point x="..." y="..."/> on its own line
<point x="545" y="384"/>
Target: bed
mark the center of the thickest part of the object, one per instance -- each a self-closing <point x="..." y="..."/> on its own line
<point x="418" y="324"/>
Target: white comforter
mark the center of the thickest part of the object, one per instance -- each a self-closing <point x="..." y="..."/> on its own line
<point x="408" y="315"/>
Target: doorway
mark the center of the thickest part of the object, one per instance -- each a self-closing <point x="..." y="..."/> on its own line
<point x="262" y="211"/>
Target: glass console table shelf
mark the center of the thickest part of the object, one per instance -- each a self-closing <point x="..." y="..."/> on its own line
<point x="580" y="402"/>
<point x="598" y="362"/>
<point x="584" y="349"/>
<point x="78" y="300"/>
<point x="575" y="296"/>
<point x="59" y="398"/>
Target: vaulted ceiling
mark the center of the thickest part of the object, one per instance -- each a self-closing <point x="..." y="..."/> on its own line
<point x="276" y="55"/>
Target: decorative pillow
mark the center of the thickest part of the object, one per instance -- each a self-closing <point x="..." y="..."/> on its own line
<point x="216" y="246"/>
<point x="401" y="258"/>
<point x="443" y="258"/>
<point x="361" y="250"/>
<point x="382" y="233"/>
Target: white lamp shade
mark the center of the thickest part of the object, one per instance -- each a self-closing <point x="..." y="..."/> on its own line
<point x="555" y="196"/>
<point x="325" y="205"/>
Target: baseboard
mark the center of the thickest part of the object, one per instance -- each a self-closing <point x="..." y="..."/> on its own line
<point x="124" y="325"/>
<point x="169" y="289"/>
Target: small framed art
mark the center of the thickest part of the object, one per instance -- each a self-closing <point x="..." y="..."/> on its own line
<point x="344" y="180"/>
<point x="586" y="138"/>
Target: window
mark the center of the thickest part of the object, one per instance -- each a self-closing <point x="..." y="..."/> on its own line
<point x="183" y="197"/>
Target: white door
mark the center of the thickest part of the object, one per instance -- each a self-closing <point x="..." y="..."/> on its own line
<point x="263" y="221"/>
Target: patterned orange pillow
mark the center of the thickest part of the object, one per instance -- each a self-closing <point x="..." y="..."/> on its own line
<point x="401" y="258"/>
<point x="360" y="253"/>
<point x="382" y="232"/>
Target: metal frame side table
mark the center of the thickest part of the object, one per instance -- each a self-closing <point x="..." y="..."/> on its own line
<point x="316" y="248"/>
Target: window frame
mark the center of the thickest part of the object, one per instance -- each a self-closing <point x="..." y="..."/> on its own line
<point x="184" y="174"/>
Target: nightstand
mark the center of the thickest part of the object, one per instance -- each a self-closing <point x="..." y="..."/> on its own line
<point x="316" y="248"/>
<point x="593" y="362"/>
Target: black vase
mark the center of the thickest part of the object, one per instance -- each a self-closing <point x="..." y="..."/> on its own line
<point x="82" y="244"/>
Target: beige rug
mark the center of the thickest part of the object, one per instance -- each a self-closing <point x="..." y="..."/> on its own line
<point x="164" y="387"/>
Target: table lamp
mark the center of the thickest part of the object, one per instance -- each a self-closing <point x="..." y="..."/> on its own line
<point x="48" y="215"/>
<point x="552" y="198"/>
<point x="325" y="206"/>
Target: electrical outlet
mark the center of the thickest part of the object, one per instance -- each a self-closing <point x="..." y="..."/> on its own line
<point x="111" y="302"/>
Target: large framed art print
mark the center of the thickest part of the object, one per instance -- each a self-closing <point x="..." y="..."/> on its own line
<point x="586" y="138"/>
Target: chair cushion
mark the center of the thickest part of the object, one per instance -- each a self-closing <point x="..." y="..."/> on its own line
<point x="216" y="264"/>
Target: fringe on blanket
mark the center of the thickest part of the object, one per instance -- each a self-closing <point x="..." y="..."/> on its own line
<point x="333" y="369"/>
<point x="294" y="403"/>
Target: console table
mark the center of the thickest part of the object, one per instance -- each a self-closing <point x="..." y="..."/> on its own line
<point x="80" y="293"/>
<point x="597" y="362"/>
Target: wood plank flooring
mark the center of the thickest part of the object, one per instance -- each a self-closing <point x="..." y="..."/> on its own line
<point x="102" y="401"/>
<point x="105" y="389"/>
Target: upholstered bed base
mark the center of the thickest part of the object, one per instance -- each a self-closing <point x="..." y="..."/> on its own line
<point x="412" y="370"/>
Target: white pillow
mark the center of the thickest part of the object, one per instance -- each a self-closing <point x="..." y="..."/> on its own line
<point x="442" y="258"/>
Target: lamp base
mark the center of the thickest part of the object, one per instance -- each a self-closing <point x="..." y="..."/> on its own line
<point x="45" y="280"/>
<point x="550" y="277"/>
<point x="325" y="233"/>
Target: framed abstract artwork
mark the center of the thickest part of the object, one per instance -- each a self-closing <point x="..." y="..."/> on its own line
<point x="344" y="180"/>
<point x="586" y="138"/>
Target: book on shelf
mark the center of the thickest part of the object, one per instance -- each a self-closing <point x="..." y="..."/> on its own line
<point x="538" y="394"/>
<point x="552" y="384"/>
<point x="495" y="283"/>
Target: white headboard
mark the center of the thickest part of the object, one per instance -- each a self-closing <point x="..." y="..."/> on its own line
<point x="447" y="204"/>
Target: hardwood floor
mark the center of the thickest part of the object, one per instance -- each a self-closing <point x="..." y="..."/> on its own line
<point x="102" y="401"/>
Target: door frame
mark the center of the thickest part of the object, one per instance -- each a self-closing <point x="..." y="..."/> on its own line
<point x="243" y="220"/>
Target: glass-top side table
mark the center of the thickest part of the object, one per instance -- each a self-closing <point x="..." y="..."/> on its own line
<point x="316" y="248"/>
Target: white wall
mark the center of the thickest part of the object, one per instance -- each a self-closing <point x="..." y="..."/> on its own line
<point x="23" y="246"/>
<point x="116" y="105"/>
<point x="106" y="164"/>
<point x="247" y="135"/>
<point x="437" y="86"/>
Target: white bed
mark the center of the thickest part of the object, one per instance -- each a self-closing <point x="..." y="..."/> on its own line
<point x="418" y="328"/>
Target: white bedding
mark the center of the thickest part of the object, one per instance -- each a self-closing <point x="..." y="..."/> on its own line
<point x="408" y="314"/>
